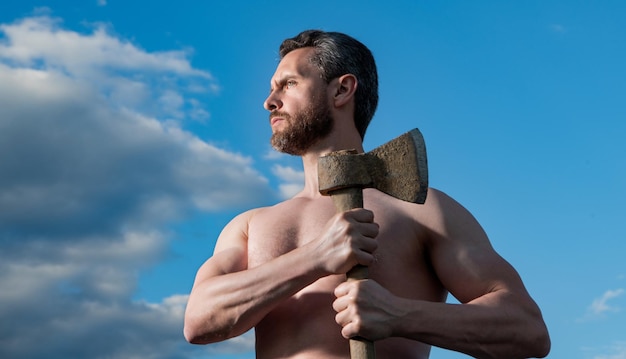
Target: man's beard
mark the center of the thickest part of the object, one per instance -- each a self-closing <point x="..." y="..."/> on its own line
<point x="303" y="130"/>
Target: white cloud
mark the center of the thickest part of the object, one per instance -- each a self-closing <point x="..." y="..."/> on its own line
<point x="42" y="39"/>
<point x="616" y="351"/>
<point x="105" y="62"/>
<point x="172" y="103"/>
<point x="293" y="180"/>
<point x="601" y="305"/>
<point x="78" y="291"/>
<point x="80" y="152"/>
<point x="288" y="190"/>
<point x="288" y="174"/>
<point x="241" y="344"/>
<point x="92" y="174"/>
<point x="272" y="155"/>
<point x="197" y="112"/>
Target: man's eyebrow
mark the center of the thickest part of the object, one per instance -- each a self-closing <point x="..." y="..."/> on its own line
<point x="280" y="80"/>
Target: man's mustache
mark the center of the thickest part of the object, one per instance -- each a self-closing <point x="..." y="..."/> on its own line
<point x="284" y="115"/>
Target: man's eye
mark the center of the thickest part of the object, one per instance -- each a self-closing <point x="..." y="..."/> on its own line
<point x="290" y="83"/>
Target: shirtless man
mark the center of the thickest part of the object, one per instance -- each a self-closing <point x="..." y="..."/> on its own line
<point x="281" y="269"/>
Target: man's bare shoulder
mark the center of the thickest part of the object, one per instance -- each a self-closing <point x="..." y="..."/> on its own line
<point x="440" y="211"/>
<point x="235" y="233"/>
<point x="243" y="219"/>
<point x="419" y="213"/>
<point x="242" y="222"/>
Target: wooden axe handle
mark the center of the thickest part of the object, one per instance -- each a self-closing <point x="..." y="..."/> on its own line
<point x="346" y="199"/>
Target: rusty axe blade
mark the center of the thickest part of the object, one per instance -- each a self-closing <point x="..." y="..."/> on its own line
<point x="398" y="168"/>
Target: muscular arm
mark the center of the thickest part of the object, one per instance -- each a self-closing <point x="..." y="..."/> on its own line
<point x="228" y="298"/>
<point x="497" y="318"/>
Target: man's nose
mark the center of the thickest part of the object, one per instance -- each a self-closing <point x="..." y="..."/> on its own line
<point x="272" y="102"/>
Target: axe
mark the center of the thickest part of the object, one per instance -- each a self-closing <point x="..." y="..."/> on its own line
<point x="397" y="168"/>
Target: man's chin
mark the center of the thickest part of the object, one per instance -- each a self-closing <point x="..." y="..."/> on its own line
<point x="283" y="145"/>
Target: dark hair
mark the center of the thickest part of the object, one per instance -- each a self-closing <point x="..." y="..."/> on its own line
<point x="337" y="54"/>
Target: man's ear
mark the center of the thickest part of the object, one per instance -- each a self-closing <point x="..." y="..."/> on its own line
<point x="345" y="89"/>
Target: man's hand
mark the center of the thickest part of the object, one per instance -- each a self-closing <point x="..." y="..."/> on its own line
<point x="366" y="309"/>
<point x="347" y="240"/>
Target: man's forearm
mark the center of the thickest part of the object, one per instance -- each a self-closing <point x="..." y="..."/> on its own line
<point x="497" y="325"/>
<point x="228" y="305"/>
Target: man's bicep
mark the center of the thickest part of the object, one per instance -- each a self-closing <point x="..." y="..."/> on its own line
<point x="462" y="255"/>
<point x="231" y="250"/>
<point x="469" y="272"/>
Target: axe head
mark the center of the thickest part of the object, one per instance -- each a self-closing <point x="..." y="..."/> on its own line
<point x="398" y="168"/>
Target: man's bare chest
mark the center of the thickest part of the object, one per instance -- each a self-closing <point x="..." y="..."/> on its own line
<point x="401" y="256"/>
<point x="281" y="229"/>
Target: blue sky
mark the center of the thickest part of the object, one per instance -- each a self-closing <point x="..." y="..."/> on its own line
<point x="131" y="132"/>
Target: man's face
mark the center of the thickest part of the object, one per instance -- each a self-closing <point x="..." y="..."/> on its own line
<point x="299" y="112"/>
<point x="303" y="129"/>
